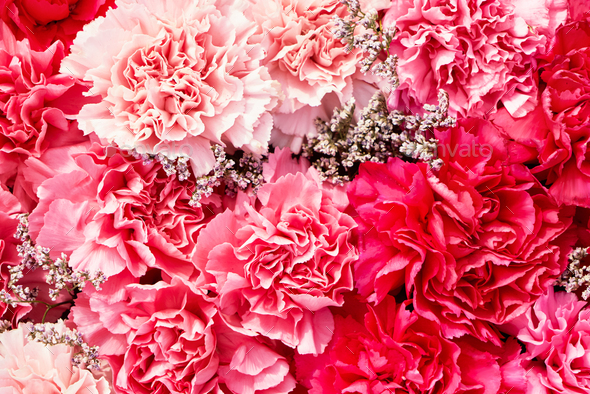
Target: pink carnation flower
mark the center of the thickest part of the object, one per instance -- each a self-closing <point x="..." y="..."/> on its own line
<point x="551" y="316"/>
<point x="115" y="213"/>
<point x="568" y="364"/>
<point x="28" y="366"/>
<point x="476" y="243"/>
<point x="480" y="52"/>
<point x="248" y="366"/>
<point x="279" y="260"/>
<point x="556" y="332"/>
<point x="170" y="343"/>
<point x="175" y="77"/>
<point x="168" y="337"/>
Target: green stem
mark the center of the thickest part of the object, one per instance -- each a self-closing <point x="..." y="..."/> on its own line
<point x="51" y="306"/>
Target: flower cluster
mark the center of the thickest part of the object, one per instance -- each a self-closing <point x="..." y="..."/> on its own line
<point x="288" y="196"/>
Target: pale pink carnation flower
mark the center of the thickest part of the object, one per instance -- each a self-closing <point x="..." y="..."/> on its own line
<point x="175" y="77"/>
<point x="543" y="16"/>
<point x="302" y="52"/>
<point x="311" y="64"/>
<point x="28" y="366"/>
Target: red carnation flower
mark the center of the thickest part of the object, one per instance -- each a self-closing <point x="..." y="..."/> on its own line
<point x="475" y="244"/>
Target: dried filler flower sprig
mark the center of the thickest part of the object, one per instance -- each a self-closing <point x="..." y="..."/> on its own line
<point x="576" y="275"/>
<point x="178" y="166"/>
<point x="60" y="276"/>
<point x="237" y="171"/>
<point x="364" y="31"/>
<point x="50" y="334"/>
<point x="341" y="145"/>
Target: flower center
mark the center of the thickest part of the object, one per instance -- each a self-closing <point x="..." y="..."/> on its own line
<point x="164" y="85"/>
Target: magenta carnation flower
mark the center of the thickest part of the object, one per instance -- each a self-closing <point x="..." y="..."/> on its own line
<point x="280" y="259"/>
<point x="36" y="101"/>
<point x="475" y="243"/>
<point x="555" y="137"/>
<point x="480" y="52"/>
<point x="393" y="350"/>
<point x="44" y="22"/>
<point x="175" y="77"/>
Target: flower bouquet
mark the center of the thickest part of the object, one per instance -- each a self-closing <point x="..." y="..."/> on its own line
<point x="295" y="196"/>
